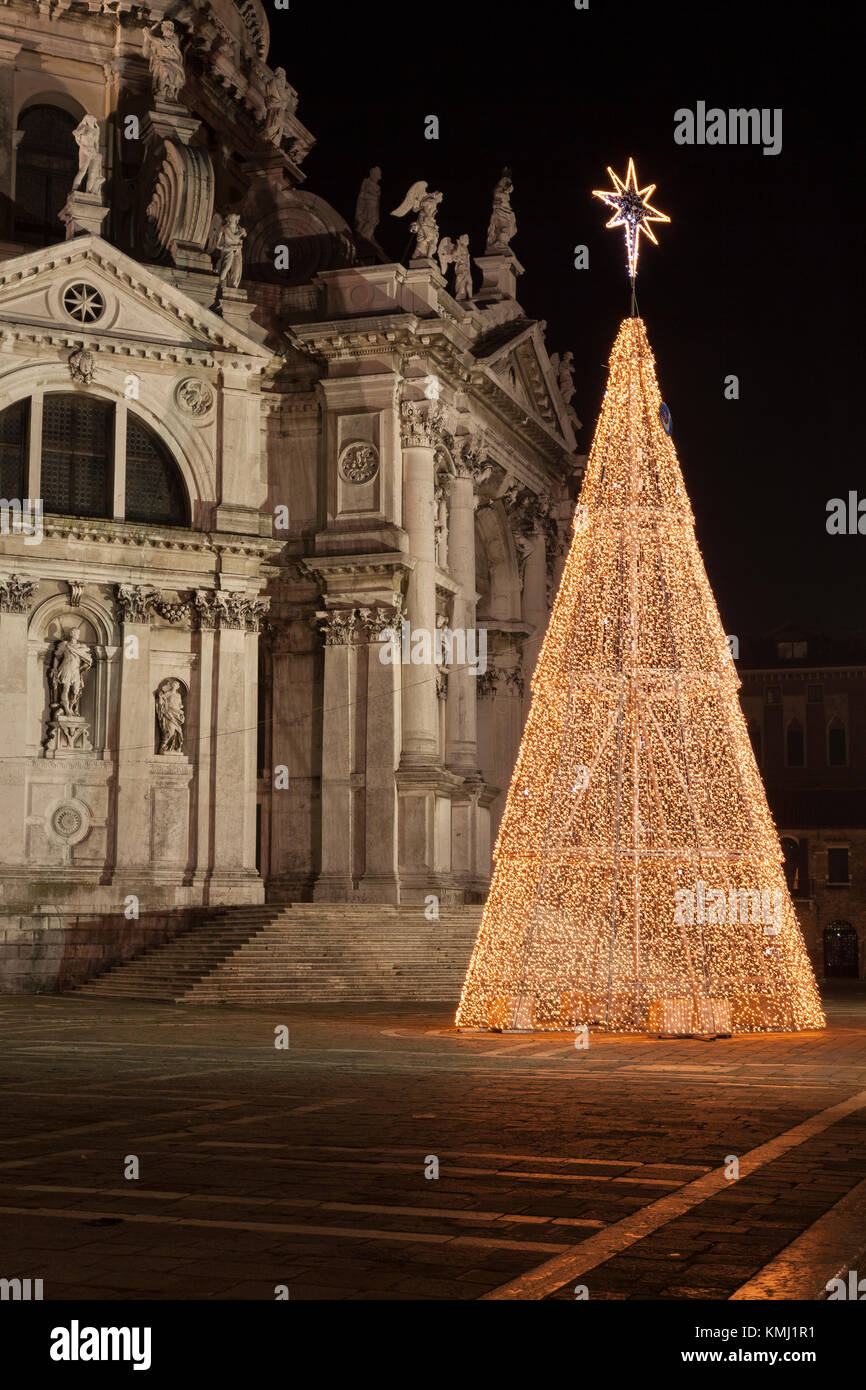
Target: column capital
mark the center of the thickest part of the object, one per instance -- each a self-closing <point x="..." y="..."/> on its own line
<point x="423" y="424"/>
<point x="17" y="593"/>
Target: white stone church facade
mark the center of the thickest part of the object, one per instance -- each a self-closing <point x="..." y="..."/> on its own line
<point x="239" y="486"/>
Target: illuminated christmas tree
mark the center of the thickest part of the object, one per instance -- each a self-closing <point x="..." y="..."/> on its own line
<point x="638" y="884"/>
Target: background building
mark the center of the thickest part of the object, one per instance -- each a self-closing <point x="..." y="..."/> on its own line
<point x="804" y="698"/>
<point x="238" y="448"/>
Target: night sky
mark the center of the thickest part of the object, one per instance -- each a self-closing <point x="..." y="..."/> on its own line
<point x="758" y="273"/>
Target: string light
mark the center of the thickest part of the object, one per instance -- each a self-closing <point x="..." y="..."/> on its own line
<point x="635" y="684"/>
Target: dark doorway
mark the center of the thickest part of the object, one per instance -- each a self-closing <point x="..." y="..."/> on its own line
<point x="841" y="958"/>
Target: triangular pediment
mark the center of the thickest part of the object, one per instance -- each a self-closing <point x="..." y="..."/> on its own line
<point x="522" y="367"/>
<point x="140" y="310"/>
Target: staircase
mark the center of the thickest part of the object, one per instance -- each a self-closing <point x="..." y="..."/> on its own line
<point x="307" y="953"/>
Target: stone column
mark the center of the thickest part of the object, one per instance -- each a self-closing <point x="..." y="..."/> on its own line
<point x="381" y="880"/>
<point x="135" y="739"/>
<point x="296" y="693"/>
<point x="421" y="421"/>
<point x="16" y="595"/>
<point x="9" y="50"/>
<point x="234" y="878"/>
<point x="335" y="882"/>
<point x="461" y="730"/>
<point x="535" y="610"/>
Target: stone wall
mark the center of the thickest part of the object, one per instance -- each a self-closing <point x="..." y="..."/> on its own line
<point x="45" y="953"/>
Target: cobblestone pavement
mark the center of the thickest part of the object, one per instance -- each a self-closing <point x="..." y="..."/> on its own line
<point x="306" y="1167"/>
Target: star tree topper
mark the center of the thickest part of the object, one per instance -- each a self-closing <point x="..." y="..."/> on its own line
<point x="631" y="211"/>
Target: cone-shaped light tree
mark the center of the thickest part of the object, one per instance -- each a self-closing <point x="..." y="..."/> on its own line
<point x="638" y="880"/>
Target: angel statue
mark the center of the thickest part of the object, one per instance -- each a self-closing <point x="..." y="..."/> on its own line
<point x="170" y="716"/>
<point x="425" y="204"/>
<point x="457" y="254"/>
<point x="445" y="254"/>
<point x="503" y="223"/>
<point x="162" y="51"/>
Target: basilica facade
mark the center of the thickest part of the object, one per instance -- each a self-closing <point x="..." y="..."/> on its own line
<point x="281" y="518"/>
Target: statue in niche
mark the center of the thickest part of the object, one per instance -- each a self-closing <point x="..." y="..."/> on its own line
<point x="67" y="674"/>
<point x="90" y="164"/>
<point x="170" y="716"/>
<point x="503" y="223"/>
<point x="367" y="206"/>
<point x="162" y="50"/>
<point x="426" y="228"/>
<point x="230" y="249"/>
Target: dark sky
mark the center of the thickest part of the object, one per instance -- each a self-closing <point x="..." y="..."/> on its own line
<point x="758" y="274"/>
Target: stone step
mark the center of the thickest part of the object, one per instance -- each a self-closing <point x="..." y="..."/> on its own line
<point x="302" y="952"/>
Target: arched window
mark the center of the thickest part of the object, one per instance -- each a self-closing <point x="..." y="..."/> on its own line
<point x="795" y="748"/>
<point x="77" y="447"/>
<point x="791" y="854"/>
<point x="837" y="744"/>
<point x="154" y="488"/>
<point x="13" y="450"/>
<point x="98" y="460"/>
<point x="46" y="163"/>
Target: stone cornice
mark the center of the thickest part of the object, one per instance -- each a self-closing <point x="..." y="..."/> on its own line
<point x="217" y="335"/>
<point x="407" y="335"/>
<point x="347" y="566"/>
<point x="782" y="673"/>
<point x="129" y="534"/>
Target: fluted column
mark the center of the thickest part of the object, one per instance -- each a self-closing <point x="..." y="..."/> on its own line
<point x="420" y="424"/>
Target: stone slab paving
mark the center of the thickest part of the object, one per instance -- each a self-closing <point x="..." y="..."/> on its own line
<point x="306" y="1166"/>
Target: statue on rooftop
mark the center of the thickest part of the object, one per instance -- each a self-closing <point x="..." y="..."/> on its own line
<point x="426" y="228"/>
<point x="367" y="206"/>
<point x="503" y="223"/>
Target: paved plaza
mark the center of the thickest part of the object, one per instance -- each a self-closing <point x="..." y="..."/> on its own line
<point x="312" y="1166"/>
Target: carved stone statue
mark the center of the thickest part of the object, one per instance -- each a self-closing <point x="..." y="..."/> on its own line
<point x="503" y="223"/>
<point x="170" y="716"/>
<point x="90" y="165"/>
<point x="457" y="254"/>
<point x="230" y="247"/>
<point x="564" y="368"/>
<point x="277" y="94"/>
<point x="426" y="205"/>
<point x="367" y="206"/>
<point x="162" y="50"/>
<point x="67" y="674"/>
<point x="462" y="269"/>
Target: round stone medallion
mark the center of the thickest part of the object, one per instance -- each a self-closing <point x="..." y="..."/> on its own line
<point x="194" y="396"/>
<point x="68" y="821"/>
<point x="359" y="462"/>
